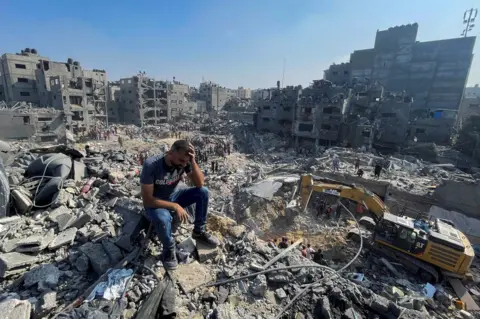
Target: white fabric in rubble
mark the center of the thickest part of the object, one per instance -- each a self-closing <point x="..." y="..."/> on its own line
<point x="113" y="287"/>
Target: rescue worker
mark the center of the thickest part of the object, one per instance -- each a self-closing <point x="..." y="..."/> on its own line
<point x="378" y="170"/>
<point x="357" y="164"/>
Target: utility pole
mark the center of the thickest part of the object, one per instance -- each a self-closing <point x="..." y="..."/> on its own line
<point x="468" y="19"/>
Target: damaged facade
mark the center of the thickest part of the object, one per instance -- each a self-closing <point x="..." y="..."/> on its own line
<point x="66" y="86"/>
<point x="433" y="73"/>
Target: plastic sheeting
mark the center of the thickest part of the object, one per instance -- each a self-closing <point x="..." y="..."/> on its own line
<point x="52" y="170"/>
<point x="265" y="189"/>
<point x="112" y="288"/>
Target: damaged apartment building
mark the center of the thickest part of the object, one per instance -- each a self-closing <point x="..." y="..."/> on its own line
<point x="277" y="113"/>
<point x="66" y="86"/>
<point x="433" y="73"/>
<point x="319" y="114"/>
<point x="215" y="96"/>
<point x="142" y="101"/>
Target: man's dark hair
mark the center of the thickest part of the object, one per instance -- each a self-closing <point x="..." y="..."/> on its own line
<point x="180" y="146"/>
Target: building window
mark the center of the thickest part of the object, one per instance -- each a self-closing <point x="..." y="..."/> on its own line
<point x="474" y="106"/>
<point x="345" y="72"/>
<point x="24" y="93"/>
<point x="54" y="97"/>
<point x="419" y="131"/>
<point x="20" y="66"/>
<point x="129" y="91"/>
<point x="26" y="120"/>
<point x="334" y="73"/>
<point x="326" y="127"/>
<point x="22" y="80"/>
<point x="131" y="102"/>
<point x="180" y="102"/>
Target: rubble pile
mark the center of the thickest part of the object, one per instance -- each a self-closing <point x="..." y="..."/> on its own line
<point x="75" y="255"/>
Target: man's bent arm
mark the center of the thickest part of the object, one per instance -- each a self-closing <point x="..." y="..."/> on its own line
<point x="150" y="201"/>
<point x="196" y="175"/>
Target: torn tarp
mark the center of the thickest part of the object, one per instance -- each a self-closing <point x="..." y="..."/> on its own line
<point x="112" y="288"/>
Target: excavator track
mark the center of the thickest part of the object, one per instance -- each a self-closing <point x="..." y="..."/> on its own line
<point x="415" y="265"/>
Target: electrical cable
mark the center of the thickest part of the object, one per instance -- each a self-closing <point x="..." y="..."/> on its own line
<point x="282" y="312"/>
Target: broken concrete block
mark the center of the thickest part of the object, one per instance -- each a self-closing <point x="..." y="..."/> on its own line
<point x="57" y="212"/>
<point x="64" y="238"/>
<point x="48" y="301"/>
<point x="15" y="309"/>
<point x="323" y="308"/>
<point x="9" y="220"/>
<point x="192" y="275"/>
<point x="188" y="245"/>
<point x="259" y="286"/>
<point x="280" y="294"/>
<point x="80" y="221"/>
<point x="9" y="262"/>
<point x="47" y="274"/>
<point x="206" y="252"/>
<point x="350" y="313"/>
<point x="35" y="243"/>
<point x="97" y="256"/>
<point x="64" y="220"/>
<point x="113" y="252"/>
<point x="81" y="263"/>
<point x="10" y="245"/>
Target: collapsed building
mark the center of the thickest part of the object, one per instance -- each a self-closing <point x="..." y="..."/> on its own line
<point x="37" y="124"/>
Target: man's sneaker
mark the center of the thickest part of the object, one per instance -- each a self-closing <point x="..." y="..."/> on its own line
<point x="206" y="238"/>
<point x="169" y="259"/>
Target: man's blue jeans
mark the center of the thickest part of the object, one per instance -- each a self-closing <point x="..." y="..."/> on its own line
<point x="162" y="218"/>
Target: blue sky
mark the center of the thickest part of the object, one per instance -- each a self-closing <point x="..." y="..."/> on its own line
<point x="234" y="43"/>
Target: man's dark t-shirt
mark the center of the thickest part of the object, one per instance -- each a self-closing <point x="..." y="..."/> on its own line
<point x="163" y="177"/>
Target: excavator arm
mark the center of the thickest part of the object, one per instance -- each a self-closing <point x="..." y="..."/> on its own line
<point x="356" y="193"/>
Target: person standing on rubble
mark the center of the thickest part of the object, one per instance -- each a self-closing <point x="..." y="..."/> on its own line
<point x="357" y="164"/>
<point x="120" y="141"/>
<point x="378" y="170"/>
<point x="336" y="163"/>
<point x="321" y="207"/>
<point x="159" y="179"/>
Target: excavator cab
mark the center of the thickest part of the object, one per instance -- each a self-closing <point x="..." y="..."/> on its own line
<point x="400" y="233"/>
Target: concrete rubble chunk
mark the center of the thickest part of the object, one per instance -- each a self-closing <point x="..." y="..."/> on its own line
<point x="46" y="274"/>
<point x="206" y="252"/>
<point x="11" y="261"/>
<point x="350" y="313"/>
<point x="64" y="220"/>
<point x="64" y="238"/>
<point x="188" y="245"/>
<point x="80" y="221"/>
<point x="10" y="245"/>
<point x="48" y="301"/>
<point x="259" y="286"/>
<point x="15" y="309"/>
<point x="192" y="275"/>
<point x="98" y="257"/>
<point x="35" y="243"/>
<point x="280" y="294"/>
<point x="10" y="220"/>
<point x="323" y="308"/>
<point x="81" y="263"/>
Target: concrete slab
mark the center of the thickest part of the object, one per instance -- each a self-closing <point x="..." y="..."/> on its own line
<point x="64" y="220"/>
<point x="35" y="243"/>
<point x="15" y="309"/>
<point x="191" y="275"/>
<point x="10" y="245"/>
<point x="11" y="261"/>
<point x="206" y="252"/>
<point x="58" y="211"/>
<point x="463" y="294"/>
<point x="64" y="238"/>
<point x="97" y="256"/>
<point x="9" y="220"/>
<point x="80" y="221"/>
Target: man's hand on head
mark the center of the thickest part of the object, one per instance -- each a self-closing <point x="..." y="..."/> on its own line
<point x="191" y="152"/>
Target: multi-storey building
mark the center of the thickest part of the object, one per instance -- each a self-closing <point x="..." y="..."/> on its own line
<point x="319" y="115"/>
<point x="215" y="95"/>
<point x="278" y="113"/>
<point x="82" y="94"/>
<point x="143" y="101"/>
<point x="470" y="105"/>
<point x="434" y="73"/>
<point x="244" y="93"/>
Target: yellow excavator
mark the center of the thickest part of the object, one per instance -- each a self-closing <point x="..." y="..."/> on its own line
<point x="425" y="246"/>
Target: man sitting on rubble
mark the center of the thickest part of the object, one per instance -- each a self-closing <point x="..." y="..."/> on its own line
<point x="160" y="176"/>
